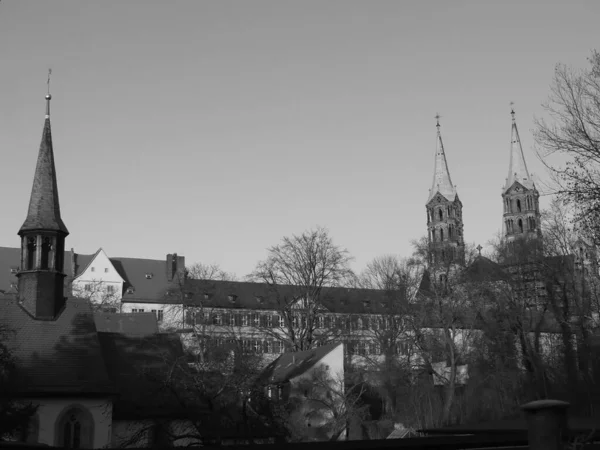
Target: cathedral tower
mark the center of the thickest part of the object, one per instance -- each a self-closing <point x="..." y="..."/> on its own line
<point x="519" y="195"/>
<point x="41" y="277"/>
<point x="444" y="213"/>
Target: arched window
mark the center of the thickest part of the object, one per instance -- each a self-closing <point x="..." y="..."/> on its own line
<point x="441" y="234"/>
<point x="440" y="214"/>
<point x="518" y="205"/>
<point x="533" y="223"/>
<point x="75" y="428"/>
<point x="520" y="226"/>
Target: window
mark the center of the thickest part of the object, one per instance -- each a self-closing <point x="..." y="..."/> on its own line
<point x="88" y="287"/>
<point x="256" y="319"/>
<point x="281" y="321"/>
<point x="217" y="319"/>
<point x="268" y="321"/>
<point x="520" y="226"/>
<point x="139" y="310"/>
<point x="441" y="234"/>
<point x="111" y="288"/>
<point x="75" y="429"/>
<point x="244" y="320"/>
<point x="159" y="314"/>
<point x="518" y="205"/>
<point x="93" y="269"/>
<point x="257" y="347"/>
<point x="440" y="214"/>
<point x="106" y="270"/>
<point x="320" y="322"/>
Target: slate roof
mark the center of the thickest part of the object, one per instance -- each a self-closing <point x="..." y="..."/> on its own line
<point x="139" y="367"/>
<point x="59" y="357"/>
<point x="484" y="269"/>
<point x="290" y="365"/>
<point x="44" y="207"/>
<point x="259" y="296"/>
<point x="134" y="324"/>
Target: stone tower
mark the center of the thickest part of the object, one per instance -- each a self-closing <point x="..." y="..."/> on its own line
<point x="519" y="195"/>
<point x="41" y="277"/>
<point x="444" y="214"/>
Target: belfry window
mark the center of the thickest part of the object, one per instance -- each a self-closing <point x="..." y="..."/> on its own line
<point x="31" y="246"/>
<point x="518" y="205"/>
<point x="46" y="248"/>
<point x="520" y="226"/>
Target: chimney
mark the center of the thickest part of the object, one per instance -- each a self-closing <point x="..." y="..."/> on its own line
<point x="175" y="264"/>
<point x="546" y="424"/>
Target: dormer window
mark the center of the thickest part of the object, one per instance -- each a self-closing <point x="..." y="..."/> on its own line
<point x="259" y="299"/>
<point x="14" y="269"/>
<point x="232" y="298"/>
<point x="130" y="290"/>
<point x="366" y="303"/>
<point x="206" y="296"/>
<point x="149" y="276"/>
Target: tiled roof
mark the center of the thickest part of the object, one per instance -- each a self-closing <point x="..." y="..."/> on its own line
<point x="290" y="365"/>
<point x="259" y="296"/>
<point x="139" y="365"/>
<point x="135" y="270"/>
<point x="134" y="324"/>
<point x="58" y="357"/>
<point x="44" y="207"/>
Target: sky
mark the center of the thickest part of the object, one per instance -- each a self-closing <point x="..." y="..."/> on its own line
<point x="212" y="129"/>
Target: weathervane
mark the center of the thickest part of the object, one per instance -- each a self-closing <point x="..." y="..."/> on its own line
<point x="512" y="110"/>
<point x="48" y="96"/>
<point x="48" y="81"/>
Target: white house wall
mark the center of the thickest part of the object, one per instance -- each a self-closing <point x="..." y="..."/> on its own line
<point x="99" y="280"/>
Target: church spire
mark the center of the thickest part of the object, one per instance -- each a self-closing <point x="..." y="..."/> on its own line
<point x="442" y="182"/>
<point x="444" y="213"/>
<point x="517" y="169"/>
<point x="44" y="207"/>
<point x="41" y="276"/>
<point x="521" y="199"/>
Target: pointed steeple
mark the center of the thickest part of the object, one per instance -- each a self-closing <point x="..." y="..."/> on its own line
<point x="44" y="207"/>
<point x="517" y="169"/>
<point x="442" y="182"/>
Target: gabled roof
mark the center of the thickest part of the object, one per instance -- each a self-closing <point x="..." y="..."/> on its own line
<point x="442" y="182"/>
<point x="484" y="269"/>
<point x="132" y="324"/>
<point x="58" y="357"/>
<point x="293" y="364"/>
<point x="85" y="262"/>
<point x="517" y="168"/>
<point x="44" y="207"/>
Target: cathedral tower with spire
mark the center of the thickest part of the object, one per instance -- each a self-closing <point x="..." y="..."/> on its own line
<point x="520" y="196"/>
<point x="41" y="276"/>
<point x="444" y="213"/>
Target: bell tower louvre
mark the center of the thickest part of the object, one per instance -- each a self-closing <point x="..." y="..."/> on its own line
<point x="41" y="275"/>
<point x="444" y="213"/>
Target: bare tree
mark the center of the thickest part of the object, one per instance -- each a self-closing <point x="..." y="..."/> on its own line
<point x="297" y="272"/>
<point x="574" y="131"/>
<point x="389" y="366"/>
<point x="328" y="405"/>
<point x="102" y="296"/>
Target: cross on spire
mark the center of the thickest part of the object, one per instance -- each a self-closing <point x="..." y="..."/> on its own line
<point x="512" y="110"/>
<point x="437" y="118"/>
